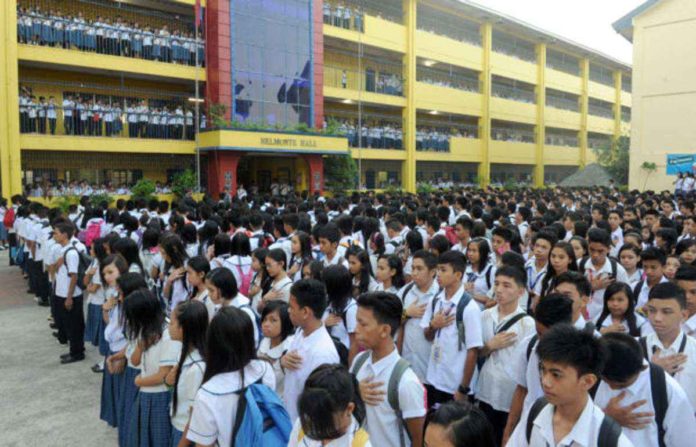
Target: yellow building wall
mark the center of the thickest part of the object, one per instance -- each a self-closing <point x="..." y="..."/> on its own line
<point x="447" y="100"/>
<point x="378" y="33"/>
<point x="447" y="50"/>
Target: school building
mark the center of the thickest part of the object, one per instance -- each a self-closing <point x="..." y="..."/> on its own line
<point x="663" y="34"/>
<point x="412" y="90"/>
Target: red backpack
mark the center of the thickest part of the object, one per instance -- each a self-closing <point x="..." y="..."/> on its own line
<point x="92" y="232"/>
<point x="451" y="235"/>
<point x="9" y="219"/>
<point x="245" y="283"/>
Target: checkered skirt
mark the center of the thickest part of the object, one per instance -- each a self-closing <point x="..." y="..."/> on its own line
<point x="150" y="423"/>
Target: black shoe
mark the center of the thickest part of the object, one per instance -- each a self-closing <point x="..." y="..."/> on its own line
<point x="53" y="326"/>
<point x="65" y="356"/>
<point x="31" y="292"/>
<point x="43" y="303"/>
<point x="97" y="369"/>
<point x="72" y="359"/>
<point x="55" y="334"/>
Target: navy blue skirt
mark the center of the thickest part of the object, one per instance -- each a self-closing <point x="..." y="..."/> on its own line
<point x="94" y="324"/>
<point x="126" y="404"/>
<point x="112" y="388"/>
<point x="150" y="423"/>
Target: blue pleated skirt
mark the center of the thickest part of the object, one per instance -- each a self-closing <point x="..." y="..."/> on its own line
<point x="127" y="404"/>
<point x="94" y="324"/>
<point x="112" y="389"/>
<point x="150" y="423"/>
<point x="176" y="437"/>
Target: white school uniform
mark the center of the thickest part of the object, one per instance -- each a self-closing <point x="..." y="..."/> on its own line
<point x="480" y="279"/>
<point x="165" y="352"/>
<point x="382" y="421"/>
<point x="343" y="330"/>
<point x="679" y="417"/>
<point x="209" y="305"/>
<point x="617" y="238"/>
<point x="525" y="373"/>
<point x="273" y="355"/>
<point x="689" y="326"/>
<point x="99" y="296"/>
<point x="495" y="387"/>
<point x="687" y="376"/>
<point x="244" y="304"/>
<point x="215" y="406"/>
<point x="70" y="266"/>
<point x="190" y="380"/>
<point x="344" y="441"/>
<point x="447" y="361"/>
<point x="584" y="433"/>
<point x="315" y="349"/>
<point x="113" y="332"/>
<point x="416" y="348"/>
<point x="596" y="303"/>
<point x="336" y="260"/>
<point x="283" y="286"/>
<point x="644" y="293"/>
<point x="535" y="277"/>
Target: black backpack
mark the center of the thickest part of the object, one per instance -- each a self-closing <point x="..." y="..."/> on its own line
<point x="459" y="317"/>
<point x="83" y="265"/>
<point x="609" y="431"/>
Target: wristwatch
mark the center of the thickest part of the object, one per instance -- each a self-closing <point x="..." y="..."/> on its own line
<point x="464" y="390"/>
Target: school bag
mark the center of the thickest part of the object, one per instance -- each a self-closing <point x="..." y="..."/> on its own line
<point x="360" y="437"/>
<point x="257" y="319"/>
<point x="644" y="346"/>
<point x="84" y="262"/>
<point x="609" y="431"/>
<point x="392" y="387"/>
<point x="508" y="324"/>
<point x="245" y="283"/>
<point x="92" y="232"/>
<point x="459" y="318"/>
<point x="261" y="418"/>
<point x="451" y="235"/>
<point x="9" y="218"/>
<point x="264" y="240"/>
<point x="612" y="261"/>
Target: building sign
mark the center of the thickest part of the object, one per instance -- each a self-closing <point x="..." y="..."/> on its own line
<point x="254" y="141"/>
<point x="683" y="163"/>
<point x="286" y="142"/>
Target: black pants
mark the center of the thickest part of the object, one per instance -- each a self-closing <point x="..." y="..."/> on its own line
<point x="52" y="125"/>
<point x="12" y="240"/>
<point x="72" y="323"/>
<point x="498" y="419"/>
<point x="436" y="396"/>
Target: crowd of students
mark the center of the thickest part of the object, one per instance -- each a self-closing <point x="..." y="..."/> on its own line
<point x="344" y="16"/>
<point x="116" y="37"/>
<point x="85" y="116"/>
<point x="476" y="317"/>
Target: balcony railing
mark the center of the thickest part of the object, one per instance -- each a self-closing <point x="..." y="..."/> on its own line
<point x="368" y="80"/>
<point x="562" y="140"/>
<point x="512" y="135"/>
<point x="562" y="103"/>
<point x="115" y="39"/>
<point x="512" y="93"/>
<point x="448" y="80"/>
<point x="600" y="111"/>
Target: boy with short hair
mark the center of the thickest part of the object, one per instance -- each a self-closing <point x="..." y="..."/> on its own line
<point x="600" y="269"/>
<point x="570" y="364"/>
<point x="578" y="289"/>
<point x="615" y="220"/>
<point x="686" y="279"/>
<point x="628" y="379"/>
<point x="504" y="326"/>
<point x="452" y="321"/>
<point x="462" y="228"/>
<point x="653" y="260"/>
<point x="328" y="244"/>
<point x="537" y="266"/>
<point x="669" y="346"/>
<point x="394" y="417"/>
<point x="311" y="346"/>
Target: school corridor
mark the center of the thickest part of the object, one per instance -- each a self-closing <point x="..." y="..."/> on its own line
<point x="42" y="403"/>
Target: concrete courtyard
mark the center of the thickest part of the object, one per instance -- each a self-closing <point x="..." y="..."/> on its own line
<point x="43" y="403"/>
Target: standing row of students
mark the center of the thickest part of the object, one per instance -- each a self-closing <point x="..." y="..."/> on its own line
<point x="379" y="310"/>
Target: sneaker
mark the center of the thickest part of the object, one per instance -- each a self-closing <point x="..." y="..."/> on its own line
<point x="97" y="368"/>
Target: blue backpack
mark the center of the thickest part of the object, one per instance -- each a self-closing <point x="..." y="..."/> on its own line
<point x="261" y="420"/>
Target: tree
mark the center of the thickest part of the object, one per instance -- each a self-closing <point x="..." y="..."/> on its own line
<point x="649" y="168"/>
<point x="614" y="157"/>
<point x="340" y="172"/>
<point x="184" y="182"/>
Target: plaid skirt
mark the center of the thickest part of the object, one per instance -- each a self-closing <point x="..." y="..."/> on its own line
<point x="94" y="324"/>
<point x="112" y="388"/>
<point x="150" y="423"/>
<point x="127" y="404"/>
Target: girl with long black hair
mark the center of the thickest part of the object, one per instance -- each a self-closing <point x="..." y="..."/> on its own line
<point x="361" y="269"/>
<point x="174" y="289"/>
<point x="301" y="254"/>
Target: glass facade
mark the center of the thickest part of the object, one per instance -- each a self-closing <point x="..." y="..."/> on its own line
<point x="271" y="61"/>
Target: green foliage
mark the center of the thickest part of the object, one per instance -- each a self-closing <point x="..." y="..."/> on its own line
<point x="340" y="173"/>
<point x="393" y="190"/>
<point x="650" y="168"/>
<point x="64" y="203"/>
<point x="217" y="115"/>
<point x="510" y="184"/>
<point x="144" y="189"/>
<point x="98" y="199"/>
<point x="425" y="188"/>
<point x="184" y="182"/>
<point x="614" y="158"/>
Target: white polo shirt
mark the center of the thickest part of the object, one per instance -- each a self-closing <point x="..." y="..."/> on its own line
<point x="596" y="303"/>
<point x="344" y="441"/>
<point x="382" y="422"/>
<point x="644" y="293"/>
<point x="215" y="406"/>
<point x="244" y="304"/>
<point x="687" y="376"/>
<point x="689" y="326"/>
<point x="315" y="349"/>
<point x="535" y="277"/>
<point x="495" y="387"/>
<point x="165" y="352"/>
<point x="416" y="348"/>
<point x="680" y="430"/>
<point x="525" y="373"/>
<point x="338" y="259"/>
<point x="447" y="361"/>
<point x="584" y="433"/>
<point x="71" y="264"/>
<point x="343" y="330"/>
<point x="190" y="380"/>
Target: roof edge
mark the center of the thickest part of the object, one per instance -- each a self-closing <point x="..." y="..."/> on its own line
<point x="624" y="25"/>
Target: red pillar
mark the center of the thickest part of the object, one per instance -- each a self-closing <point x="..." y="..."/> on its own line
<point x="316" y="172"/>
<point x="222" y="171"/>
<point x="318" y="27"/>
<point x="218" y="54"/>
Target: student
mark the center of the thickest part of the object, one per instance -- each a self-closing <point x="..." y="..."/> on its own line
<point x="156" y="353"/>
<point x="414" y="347"/>
<point x="504" y="326"/>
<point x="580" y="246"/>
<point x="222" y="290"/>
<point x="230" y="365"/>
<point x="331" y="412"/>
<point x="379" y="317"/>
<point x="458" y="424"/>
<point x="301" y="254"/>
<point x="480" y="272"/>
<point x="524" y="367"/>
<point x="686" y="279"/>
<point x="197" y="269"/>
<point x="240" y="262"/>
<point x="570" y="365"/>
<point x="615" y="220"/>
<point x="328" y="244"/>
<point x="653" y="260"/>
<point x="451" y="372"/>
<point x="629" y="256"/>
<point x="276" y="262"/>
<point x="188" y="326"/>
<point x="669" y="346"/>
<point x="619" y="312"/>
<point x="361" y="271"/>
<point x="261" y="282"/>
<point x="312" y="344"/>
<point x="277" y="336"/>
<point x="340" y="315"/>
<point x="462" y="229"/>
<point x="561" y="260"/>
<point x="390" y="274"/>
<point x="94" y="327"/>
<point x="537" y="266"/>
<point x="70" y="317"/>
<point x="629" y="382"/>
<point x="175" y="289"/>
<point x="672" y="264"/>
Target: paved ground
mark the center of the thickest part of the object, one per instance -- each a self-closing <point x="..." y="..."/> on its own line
<point x="43" y="403"/>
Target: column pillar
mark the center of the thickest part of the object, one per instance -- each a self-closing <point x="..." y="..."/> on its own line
<point x="540" y="120"/>
<point x="10" y="152"/>
<point x="222" y="171"/>
<point x="410" y="8"/>
<point x="617" y="105"/>
<point x="484" y="169"/>
<point x="316" y="172"/>
<point x="584" y="110"/>
<point x="318" y="62"/>
<point x="218" y="55"/>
